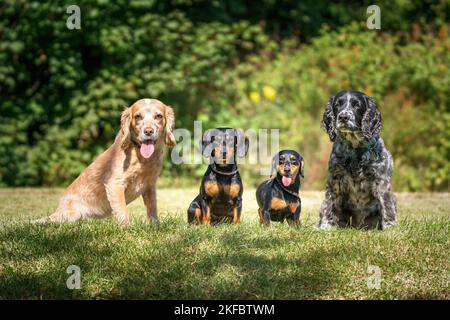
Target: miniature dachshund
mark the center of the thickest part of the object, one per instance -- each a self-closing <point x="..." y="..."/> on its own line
<point x="278" y="197"/>
<point x="220" y="197"/>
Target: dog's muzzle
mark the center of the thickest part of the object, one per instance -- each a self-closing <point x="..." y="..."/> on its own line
<point x="346" y="121"/>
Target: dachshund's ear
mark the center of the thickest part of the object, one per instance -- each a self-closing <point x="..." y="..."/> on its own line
<point x="371" y="121"/>
<point x="125" y="123"/>
<point x="242" y="143"/>
<point x="302" y="168"/>
<point x="206" y="145"/>
<point x="273" y="169"/>
<point x="328" y="120"/>
<point x="170" y="126"/>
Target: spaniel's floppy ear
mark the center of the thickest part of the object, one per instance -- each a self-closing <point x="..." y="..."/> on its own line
<point x="170" y="125"/>
<point x="242" y="143"/>
<point x="371" y="121"/>
<point x="125" y="123"/>
<point x="328" y="120"/>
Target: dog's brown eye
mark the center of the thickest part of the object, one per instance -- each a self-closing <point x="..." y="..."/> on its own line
<point x="137" y="117"/>
<point x="158" y="116"/>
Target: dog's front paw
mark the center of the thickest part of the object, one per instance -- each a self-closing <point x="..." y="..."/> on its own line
<point x="154" y="220"/>
<point x="387" y="224"/>
<point x="123" y="219"/>
<point x="266" y="224"/>
<point x="323" y="227"/>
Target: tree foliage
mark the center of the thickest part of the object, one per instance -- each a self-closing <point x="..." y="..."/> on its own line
<point x="61" y="90"/>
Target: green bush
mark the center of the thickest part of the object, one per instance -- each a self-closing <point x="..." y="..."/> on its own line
<point x="409" y="82"/>
<point x="62" y="91"/>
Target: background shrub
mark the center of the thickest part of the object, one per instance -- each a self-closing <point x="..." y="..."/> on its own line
<point x="241" y="63"/>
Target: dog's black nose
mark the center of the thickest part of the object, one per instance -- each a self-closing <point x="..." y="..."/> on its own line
<point x="287" y="169"/>
<point x="344" y="117"/>
<point x="148" y="131"/>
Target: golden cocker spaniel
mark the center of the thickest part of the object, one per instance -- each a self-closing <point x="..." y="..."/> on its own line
<point x="125" y="171"/>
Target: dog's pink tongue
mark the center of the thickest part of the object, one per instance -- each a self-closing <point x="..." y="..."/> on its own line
<point x="147" y="149"/>
<point x="286" y="181"/>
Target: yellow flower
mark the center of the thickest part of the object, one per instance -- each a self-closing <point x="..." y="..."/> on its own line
<point x="202" y="117"/>
<point x="255" y="97"/>
<point x="269" y="93"/>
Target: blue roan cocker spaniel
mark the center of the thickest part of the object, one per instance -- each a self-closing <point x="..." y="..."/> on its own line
<point x="358" y="191"/>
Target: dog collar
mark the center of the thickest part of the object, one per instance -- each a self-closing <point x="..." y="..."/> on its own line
<point x="224" y="173"/>
<point x="287" y="190"/>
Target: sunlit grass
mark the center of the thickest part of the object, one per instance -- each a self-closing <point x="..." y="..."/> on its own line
<point x="174" y="260"/>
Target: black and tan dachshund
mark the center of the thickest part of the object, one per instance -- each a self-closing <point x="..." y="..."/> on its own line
<point x="220" y="197"/>
<point x="278" y="197"/>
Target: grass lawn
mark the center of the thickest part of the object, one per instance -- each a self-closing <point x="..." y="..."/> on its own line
<point x="176" y="261"/>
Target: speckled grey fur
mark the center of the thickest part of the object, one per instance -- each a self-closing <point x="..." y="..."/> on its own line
<point x="358" y="190"/>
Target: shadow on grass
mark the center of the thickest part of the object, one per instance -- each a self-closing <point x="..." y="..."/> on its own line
<point x="181" y="263"/>
<point x="34" y="259"/>
<point x="234" y="269"/>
